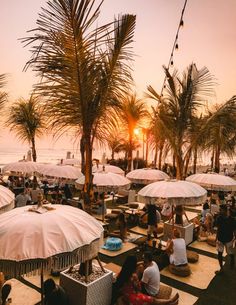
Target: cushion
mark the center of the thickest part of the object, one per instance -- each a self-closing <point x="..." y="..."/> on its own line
<point x="160" y="228"/>
<point x="113" y="244"/>
<point x="140" y="241"/>
<point x="211" y="240"/>
<point x="164" y="292"/>
<point x="192" y="256"/>
<point x="183" y="271"/>
<point x="133" y="205"/>
<point x="111" y="216"/>
<point x="116" y="211"/>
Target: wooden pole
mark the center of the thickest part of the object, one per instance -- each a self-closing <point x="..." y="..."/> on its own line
<point x="41" y="282"/>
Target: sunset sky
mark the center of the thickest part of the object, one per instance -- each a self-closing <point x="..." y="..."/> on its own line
<point x="208" y="38"/>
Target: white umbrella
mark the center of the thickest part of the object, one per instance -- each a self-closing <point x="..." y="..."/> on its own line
<point x="24" y="167"/>
<point x="58" y="171"/>
<point x="106" y="182"/>
<point x="57" y="239"/>
<point x="107" y="168"/>
<point x="146" y="175"/>
<point x="7" y="199"/>
<point x="214" y="181"/>
<point x="176" y="192"/>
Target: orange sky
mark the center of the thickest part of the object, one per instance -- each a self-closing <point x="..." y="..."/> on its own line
<point x="208" y="38"/>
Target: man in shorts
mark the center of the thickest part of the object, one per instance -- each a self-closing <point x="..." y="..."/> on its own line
<point x="226" y="232"/>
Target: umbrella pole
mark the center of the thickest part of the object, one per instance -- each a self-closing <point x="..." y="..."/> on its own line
<point x="100" y="264"/>
<point x="86" y="271"/>
<point x="41" y="282"/>
<point x="173" y="221"/>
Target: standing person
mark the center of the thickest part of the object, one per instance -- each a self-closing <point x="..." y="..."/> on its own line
<point x="67" y="191"/>
<point x="226" y="233"/>
<point x="154" y="217"/>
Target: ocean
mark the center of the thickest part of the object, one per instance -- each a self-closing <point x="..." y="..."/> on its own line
<point x="44" y="155"/>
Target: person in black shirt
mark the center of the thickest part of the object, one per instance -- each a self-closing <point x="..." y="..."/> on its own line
<point x="226" y="232"/>
<point x="153" y="218"/>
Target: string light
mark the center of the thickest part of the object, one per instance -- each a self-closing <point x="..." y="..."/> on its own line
<point x="175" y="45"/>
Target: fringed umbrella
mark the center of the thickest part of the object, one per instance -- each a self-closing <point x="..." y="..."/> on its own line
<point x="7" y="199"/>
<point x="38" y="239"/>
<point x="146" y="175"/>
<point x="214" y="181"/>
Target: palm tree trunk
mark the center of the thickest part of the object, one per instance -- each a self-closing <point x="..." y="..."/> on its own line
<point x="160" y="156"/>
<point x="195" y="160"/>
<point x="217" y="159"/>
<point x="88" y="184"/>
<point x="82" y="152"/>
<point x="155" y="156"/>
<point x="34" y="155"/>
<point x="179" y="166"/>
<point x="187" y="160"/>
<point x="212" y="159"/>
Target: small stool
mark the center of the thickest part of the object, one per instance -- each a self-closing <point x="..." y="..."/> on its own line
<point x="182" y="271"/>
<point x="192" y="256"/>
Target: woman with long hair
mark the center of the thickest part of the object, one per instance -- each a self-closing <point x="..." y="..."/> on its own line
<point x="128" y="287"/>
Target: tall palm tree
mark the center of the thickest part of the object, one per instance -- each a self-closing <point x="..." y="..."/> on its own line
<point x="131" y="112"/>
<point x="84" y="68"/>
<point x="26" y="119"/>
<point x="3" y="95"/>
<point x="180" y="103"/>
<point x="218" y="132"/>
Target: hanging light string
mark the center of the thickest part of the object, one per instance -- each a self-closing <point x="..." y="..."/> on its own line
<point x="175" y="45"/>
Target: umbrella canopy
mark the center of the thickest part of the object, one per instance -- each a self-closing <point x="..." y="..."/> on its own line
<point x="176" y="192"/>
<point x="107" y="168"/>
<point x="23" y="167"/>
<point x="58" y="171"/>
<point x="54" y="238"/>
<point x="214" y="181"/>
<point x="146" y="175"/>
<point x="7" y="199"/>
<point x="106" y="182"/>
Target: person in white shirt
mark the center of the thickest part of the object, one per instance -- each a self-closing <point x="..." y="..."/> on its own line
<point x="150" y="281"/>
<point x="176" y="249"/>
<point x="22" y="199"/>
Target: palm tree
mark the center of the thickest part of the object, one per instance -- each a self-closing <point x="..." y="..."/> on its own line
<point x="84" y="69"/>
<point x="182" y="99"/>
<point x="26" y="118"/>
<point x="131" y="112"/>
<point x="218" y="132"/>
<point x="3" y="95"/>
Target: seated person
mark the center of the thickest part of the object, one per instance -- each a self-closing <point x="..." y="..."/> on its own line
<point x="122" y="226"/>
<point x="128" y="287"/>
<point x="54" y="294"/>
<point x="176" y="249"/>
<point x="22" y="199"/>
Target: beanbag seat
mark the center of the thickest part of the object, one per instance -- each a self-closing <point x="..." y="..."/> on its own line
<point x="164" y="292"/>
<point x="133" y="205"/>
<point x="192" y="256"/>
<point x="182" y="271"/>
<point x="111" y="216"/>
<point x="140" y="241"/>
<point x="211" y="240"/>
